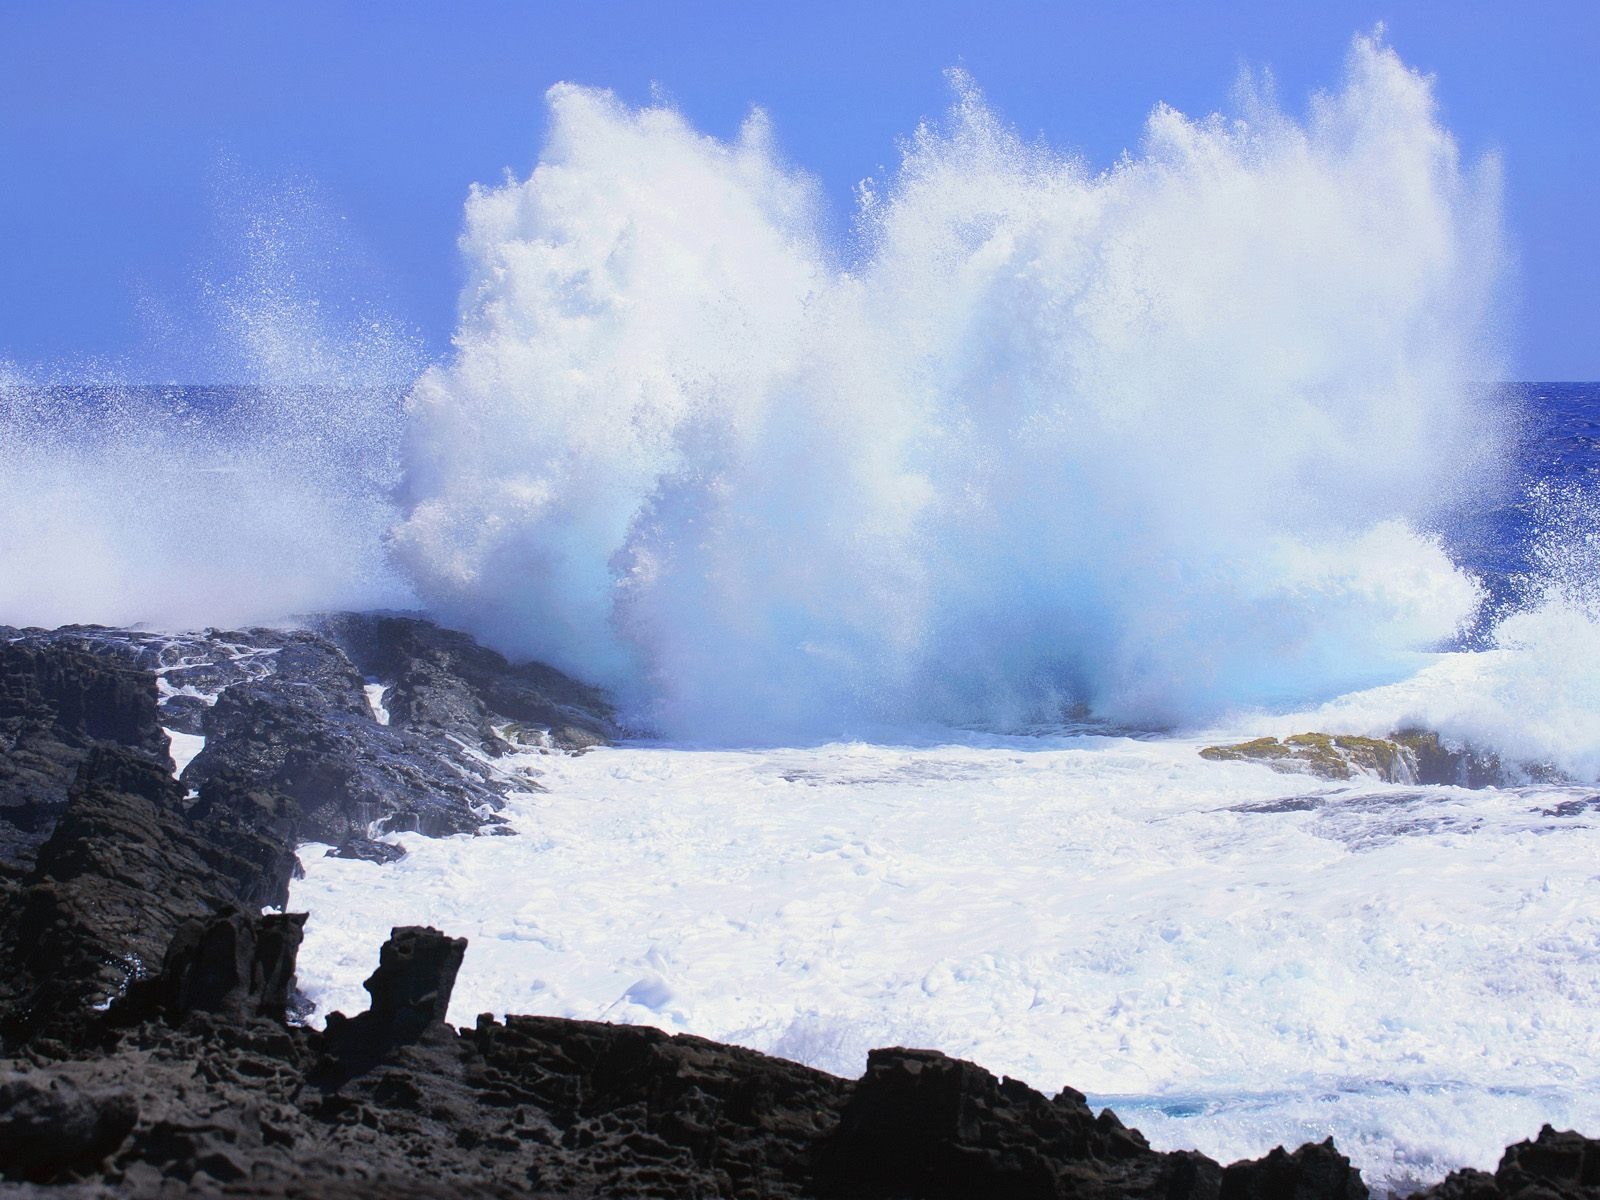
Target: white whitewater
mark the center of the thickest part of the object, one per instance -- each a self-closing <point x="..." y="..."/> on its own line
<point x="1412" y="971"/>
<point x="1168" y="444"/>
<point x="1162" y="440"/>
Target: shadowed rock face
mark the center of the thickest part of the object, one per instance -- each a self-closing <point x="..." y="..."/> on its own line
<point x="232" y="963"/>
<point x="58" y="701"/>
<point x="444" y="682"/>
<point x="125" y="866"/>
<point x="1313" y="1170"/>
<point x="103" y="855"/>
<point x="50" y="1127"/>
<point x="922" y="1124"/>
<point x="410" y="993"/>
<point x="191" y="1091"/>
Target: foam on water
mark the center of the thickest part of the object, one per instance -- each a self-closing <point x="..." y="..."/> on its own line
<point x="1231" y="957"/>
<point x="1532" y="695"/>
<point x="1159" y="440"/>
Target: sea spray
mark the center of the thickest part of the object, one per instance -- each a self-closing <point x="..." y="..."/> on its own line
<point x="1531" y="695"/>
<point x="1157" y="441"/>
<point x="183" y="506"/>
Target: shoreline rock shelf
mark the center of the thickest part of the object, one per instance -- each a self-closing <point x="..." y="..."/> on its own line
<point x="148" y="1036"/>
<point x="193" y="1084"/>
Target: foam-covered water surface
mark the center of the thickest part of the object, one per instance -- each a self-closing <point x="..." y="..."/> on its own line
<point x="1198" y="439"/>
<point x="1412" y="970"/>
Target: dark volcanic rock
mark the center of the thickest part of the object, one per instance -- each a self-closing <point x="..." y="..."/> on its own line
<point x="49" y="1125"/>
<point x="58" y="700"/>
<point x="922" y="1124"/>
<point x="193" y="1083"/>
<point x="316" y="742"/>
<point x="123" y="869"/>
<point x="1313" y="1172"/>
<point x="442" y="681"/>
<point x="410" y="993"/>
<point x="343" y="770"/>
<point x="218" y="1100"/>
<point x="231" y="963"/>
<point x="1554" y="1164"/>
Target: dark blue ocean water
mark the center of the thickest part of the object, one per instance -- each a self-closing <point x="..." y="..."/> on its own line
<point x="1555" y="443"/>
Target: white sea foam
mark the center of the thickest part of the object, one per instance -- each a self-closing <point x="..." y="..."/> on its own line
<point x="1159" y="439"/>
<point x="1412" y="971"/>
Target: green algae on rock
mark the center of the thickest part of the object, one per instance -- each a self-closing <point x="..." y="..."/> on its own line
<point x="1407" y="756"/>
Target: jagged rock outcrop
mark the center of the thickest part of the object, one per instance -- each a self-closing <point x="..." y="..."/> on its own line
<point x="410" y="993"/>
<point x="1316" y="1169"/>
<point x="231" y="963"/>
<point x="922" y="1124"/>
<point x="317" y="744"/>
<point x="285" y="712"/>
<point x="148" y="1009"/>
<point x="125" y="866"/>
<point x="1554" y="1163"/>
<point x="58" y="701"/>
<point x="442" y="681"/>
<point x="205" y="1091"/>
<point x="103" y="855"/>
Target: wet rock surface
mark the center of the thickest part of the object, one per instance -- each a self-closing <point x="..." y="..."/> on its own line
<point x="104" y="855"/>
<point x="1408" y="756"/>
<point x="285" y="712"/>
<point x="125" y="866"/>
<point x="444" y="682"/>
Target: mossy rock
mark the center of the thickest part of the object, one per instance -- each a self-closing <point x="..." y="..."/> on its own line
<point x="1408" y="756"/>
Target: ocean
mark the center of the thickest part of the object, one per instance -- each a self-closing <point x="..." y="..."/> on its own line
<point x="924" y="567"/>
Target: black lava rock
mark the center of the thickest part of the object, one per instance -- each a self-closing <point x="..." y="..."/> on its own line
<point x="232" y="964"/>
<point x="48" y="1125"/>
<point x="441" y="681"/>
<point x="922" y="1124"/>
<point x="221" y="1097"/>
<point x="410" y="993"/>
<point x="367" y="850"/>
<point x="125" y="866"/>
<point x="1313" y="1172"/>
<point x="317" y="744"/>
<point x="58" y="700"/>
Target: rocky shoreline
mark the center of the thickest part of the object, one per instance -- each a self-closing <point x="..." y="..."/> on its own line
<point x="149" y="1022"/>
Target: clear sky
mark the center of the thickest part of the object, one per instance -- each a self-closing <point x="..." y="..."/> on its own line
<point x="133" y="135"/>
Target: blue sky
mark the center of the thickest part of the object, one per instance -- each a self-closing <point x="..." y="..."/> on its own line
<point x="134" y="136"/>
